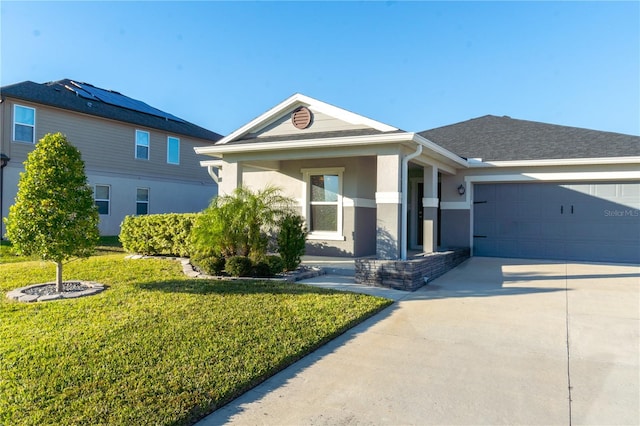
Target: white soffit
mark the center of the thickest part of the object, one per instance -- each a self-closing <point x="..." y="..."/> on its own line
<point x="301" y="100"/>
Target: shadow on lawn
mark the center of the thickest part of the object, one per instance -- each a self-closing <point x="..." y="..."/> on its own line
<point x="233" y="287"/>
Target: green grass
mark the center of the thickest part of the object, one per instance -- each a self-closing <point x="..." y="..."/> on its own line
<point x="106" y="245"/>
<point x="156" y="347"/>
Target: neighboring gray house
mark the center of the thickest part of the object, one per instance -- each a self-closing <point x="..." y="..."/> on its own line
<point x="138" y="159"/>
<point x="501" y="186"/>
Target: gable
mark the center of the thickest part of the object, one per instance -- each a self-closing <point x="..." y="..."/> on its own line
<point x="319" y="119"/>
<point x="320" y="122"/>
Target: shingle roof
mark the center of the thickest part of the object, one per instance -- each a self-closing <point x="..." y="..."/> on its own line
<point x="495" y="138"/>
<point x="55" y="94"/>
<point x="312" y="135"/>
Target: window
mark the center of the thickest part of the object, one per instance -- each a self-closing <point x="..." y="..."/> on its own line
<point x="142" y="145"/>
<point x="324" y="203"/>
<point x="173" y="150"/>
<point x="102" y="197"/>
<point x="24" y="124"/>
<point x="142" y="201"/>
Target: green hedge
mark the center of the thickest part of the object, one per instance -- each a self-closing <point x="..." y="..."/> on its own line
<point x="158" y="234"/>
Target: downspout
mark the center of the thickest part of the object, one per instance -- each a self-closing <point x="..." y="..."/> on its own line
<point x="212" y="174"/>
<point x="405" y="197"/>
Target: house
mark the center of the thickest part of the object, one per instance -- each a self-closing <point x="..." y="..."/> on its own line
<point x="497" y="185"/>
<point x="138" y="159"/>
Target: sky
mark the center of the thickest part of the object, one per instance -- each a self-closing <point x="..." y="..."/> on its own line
<point x="413" y="65"/>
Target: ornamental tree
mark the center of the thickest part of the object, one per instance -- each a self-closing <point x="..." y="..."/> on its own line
<point x="240" y="223"/>
<point x="54" y="216"/>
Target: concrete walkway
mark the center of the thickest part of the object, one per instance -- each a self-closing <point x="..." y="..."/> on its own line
<point x="495" y="341"/>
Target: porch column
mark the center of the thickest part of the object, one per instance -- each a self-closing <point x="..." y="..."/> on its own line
<point x="231" y="173"/>
<point x="430" y="209"/>
<point x="388" y="199"/>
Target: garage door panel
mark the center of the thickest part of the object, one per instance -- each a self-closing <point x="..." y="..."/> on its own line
<point x="576" y="221"/>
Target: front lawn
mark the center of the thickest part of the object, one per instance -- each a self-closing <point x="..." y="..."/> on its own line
<point x="156" y="347"/>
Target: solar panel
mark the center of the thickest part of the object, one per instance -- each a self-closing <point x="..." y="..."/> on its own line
<point x="117" y="99"/>
<point x="78" y="90"/>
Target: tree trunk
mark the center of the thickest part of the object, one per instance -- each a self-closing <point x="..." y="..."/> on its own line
<point x="58" y="277"/>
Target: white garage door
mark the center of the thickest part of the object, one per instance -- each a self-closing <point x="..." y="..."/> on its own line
<point x="573" y="221"/>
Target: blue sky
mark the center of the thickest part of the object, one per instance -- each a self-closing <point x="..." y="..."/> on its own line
<point x="414" y="65"/>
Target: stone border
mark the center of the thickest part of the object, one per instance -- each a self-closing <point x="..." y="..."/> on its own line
<point x="19" y="295"/>
<point x="409" y="275"/>
<point x="191" y="272"/>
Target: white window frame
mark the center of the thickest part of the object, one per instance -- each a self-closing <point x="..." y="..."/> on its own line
<point x="169" y="139"/>
<point x="338" y="235"/>
<point x="143" y="202"/>
<point x="108" y="200"/>
<point x="15" y="122"/>
<point x="148" y="146"/>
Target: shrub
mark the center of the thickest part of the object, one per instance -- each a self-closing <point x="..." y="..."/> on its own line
<point x="158" y="234"/>
<point x="291" y="240"/>
<point x="276" y="264"/>
<point x="261" y="269"/>
<point x="238" y="266"/>
<point x="210" y="265"/>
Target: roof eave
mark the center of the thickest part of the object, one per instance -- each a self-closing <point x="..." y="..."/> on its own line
<point x="555" y="162"/>
<point x="350" y="141"/>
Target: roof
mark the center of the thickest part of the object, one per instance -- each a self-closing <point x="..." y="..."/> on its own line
<point x="493" y="138"/>
<point x="88" y="99"/>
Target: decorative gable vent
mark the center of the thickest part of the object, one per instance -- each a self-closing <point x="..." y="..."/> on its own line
<point x="301" y="118"/>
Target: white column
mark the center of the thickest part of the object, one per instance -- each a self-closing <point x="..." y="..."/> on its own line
<point x="388" y="199"/>
<point x="430" y="209"/>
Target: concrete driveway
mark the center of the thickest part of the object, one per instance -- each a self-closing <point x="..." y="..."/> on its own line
<point x="495" y="341"/>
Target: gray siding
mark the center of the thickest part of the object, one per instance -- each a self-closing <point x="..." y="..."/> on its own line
<point x="107" y="149"/>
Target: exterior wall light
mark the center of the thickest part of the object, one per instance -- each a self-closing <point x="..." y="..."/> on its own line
<point x="461" y="189"/>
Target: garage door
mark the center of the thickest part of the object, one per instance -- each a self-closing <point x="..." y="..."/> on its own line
<point x="591" y="222"/>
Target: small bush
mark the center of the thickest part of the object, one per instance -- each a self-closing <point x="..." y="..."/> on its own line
<point x="261" y="270"/>
<point x="158" y="234"/>
<point x="238" y="266"/>
<point x="210" y="265"/>
<point x="276" y="264"/>
<point x="292" y="240"/>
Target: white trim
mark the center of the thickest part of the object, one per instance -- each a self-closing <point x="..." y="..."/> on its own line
<point x="556" y="162"/>
<point x="168" y="159"/>
<point x="556" y="177"/>
<point x="148" y="203"/>
<point x="218" y="150"/>
<point x="212" y="163"/>
<point x="431" y="202"/>
<point x="108" y="200"/>
<point x="454" y="205"/>
<point x="359" y="202"/>
<point x="33" y="126"/>
<point x="388" y="197"/>
<point x="297" y="100"/>
<point x="306" y="196"/>
<point x="135" y="145"/>
<point x="326" y="236"/>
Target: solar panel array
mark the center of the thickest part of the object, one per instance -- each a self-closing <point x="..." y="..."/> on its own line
<point x="90" y="92"/>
